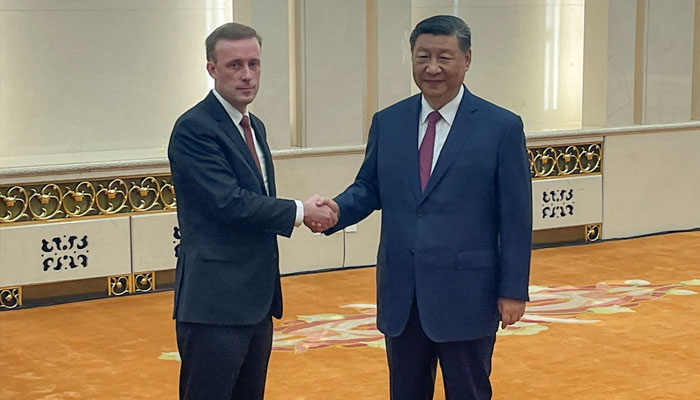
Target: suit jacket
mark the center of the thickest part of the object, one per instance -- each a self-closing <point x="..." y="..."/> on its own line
<point x="465" y="240"/>
<point x="227" y="268"/>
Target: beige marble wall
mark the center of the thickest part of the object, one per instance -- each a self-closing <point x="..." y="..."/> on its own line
<point x="328" y="175"/>
<point x="668" y="61"/>
<point x="82" y="76"/>
<point x="334" y="72"/>
<point x="271" y="18"/>
<point x="394" y="55"/>
<point x="609" y="63"/>
<point x="651" y="182"/>
<point x="696" y="64"/>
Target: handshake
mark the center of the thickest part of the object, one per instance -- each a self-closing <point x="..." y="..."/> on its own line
<point x="320" y="213"/>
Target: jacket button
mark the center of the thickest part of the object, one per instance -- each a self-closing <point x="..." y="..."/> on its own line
<point x="413" y="252"/>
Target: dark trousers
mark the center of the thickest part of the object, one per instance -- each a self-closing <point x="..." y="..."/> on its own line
<point x="413" y="357"/>
<point x="223" y="362"/>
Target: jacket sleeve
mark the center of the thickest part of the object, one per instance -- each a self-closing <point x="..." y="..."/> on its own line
<point x="362" y="197"/>
<point x="514" y="186"/>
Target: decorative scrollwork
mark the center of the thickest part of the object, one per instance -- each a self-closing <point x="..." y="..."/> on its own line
<point x="13" y="204"/>
<point x="593" y="232"/>
<point x="144" y="282"/>
<point x="46" y="204"/>
<point x="112" y="198"/>
<point x="79" y="201"/>
<point x="119" y="285"/>
<point x="50" y="201"/>
<point x="144" y="196"/>
<point x="590" y="160"/>
<point x="544" y="161"/>
<point x="11" y="297"/>
<point x="557" y="161"/>
<point x="167" y="195"/>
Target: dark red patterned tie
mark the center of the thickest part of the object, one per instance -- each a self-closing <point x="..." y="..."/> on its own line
<point x="245" y="123"/>
<point x="425" y="152"/>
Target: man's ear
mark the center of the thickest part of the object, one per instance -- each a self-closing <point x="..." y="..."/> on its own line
<point x="211" y="68"/>
<point x="467" y="59"/>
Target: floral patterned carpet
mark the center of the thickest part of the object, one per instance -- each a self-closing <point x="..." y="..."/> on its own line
<point x="612" y="320"/>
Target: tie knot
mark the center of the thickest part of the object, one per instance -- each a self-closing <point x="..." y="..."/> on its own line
<point x="434" y="117"/>
<point x="245" y="122"/>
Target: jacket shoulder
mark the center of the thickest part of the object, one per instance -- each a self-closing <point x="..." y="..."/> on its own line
<point x="400" y="108"/>
<point x="495" y="112"/>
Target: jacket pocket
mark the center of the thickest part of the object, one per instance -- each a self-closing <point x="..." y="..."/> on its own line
<point x="476" y="259"/>
<point x="223" y="253"/>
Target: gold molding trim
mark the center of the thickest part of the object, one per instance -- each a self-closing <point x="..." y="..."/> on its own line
<point x="565" y="160"/>
<point x="120" y="285"/>
<point x="11" y="297"/>
<point x="78" y="199"/>
<point x="144" y="282"/>
<point x="593" y="232"/>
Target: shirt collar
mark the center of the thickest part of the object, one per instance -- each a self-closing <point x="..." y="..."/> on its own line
<point x="232" y="112"/>
<point x="448" y="111"/>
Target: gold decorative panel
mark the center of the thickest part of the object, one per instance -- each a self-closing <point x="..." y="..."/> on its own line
<point x="593" y="232"/>
<point x="144" y="282"/>
<point x="69" y="200"/>
<point x="120" y="285"/>
<point x="11" y="297"/>
<point x="565" y="160"/>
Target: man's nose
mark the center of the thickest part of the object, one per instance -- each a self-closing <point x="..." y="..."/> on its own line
<point x="433" y="67"/>
<point x="246" y="73"/>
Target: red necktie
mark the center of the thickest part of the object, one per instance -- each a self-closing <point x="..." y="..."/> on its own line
<point x="425" y="152"/>
<point x="245" y="123"/>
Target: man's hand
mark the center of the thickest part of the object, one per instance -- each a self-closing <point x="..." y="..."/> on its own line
<point x="511" y="311"/>
<point x="327" y="201"/>
<point x="318" y="217"/>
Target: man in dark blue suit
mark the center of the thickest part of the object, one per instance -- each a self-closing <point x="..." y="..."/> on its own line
<point x="450" y="173"/>
<point x="227" y="284"/>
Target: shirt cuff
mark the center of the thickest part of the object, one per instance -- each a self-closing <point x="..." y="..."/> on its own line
<point x="300" y="213"/>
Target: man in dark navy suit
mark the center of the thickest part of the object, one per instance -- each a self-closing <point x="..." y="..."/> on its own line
<point x="227" y="284"/>
<point x="450" y="173"/>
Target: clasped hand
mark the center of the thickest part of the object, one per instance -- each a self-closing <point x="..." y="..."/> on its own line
<point x="320" y="213"/>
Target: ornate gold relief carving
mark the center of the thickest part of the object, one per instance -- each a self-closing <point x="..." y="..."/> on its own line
<point x="51" y="201"/>
<point x="167" y="195"/>
<point x="144" y="196"/>
<point x="11" y="297"/>
<point x="119" y="285"/>
<point x="144" y="282"/>
<point x="566" y="160"/>
<point x="46" y="204"/>
<point x="79" y="199"/>
<point x="112" y="198"/>
<point x="593" y="232"/>
<point x="13" y="204"/>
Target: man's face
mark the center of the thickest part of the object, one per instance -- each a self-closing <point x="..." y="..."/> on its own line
<point x="236" y="71"/>
<point x="439" y="67"/>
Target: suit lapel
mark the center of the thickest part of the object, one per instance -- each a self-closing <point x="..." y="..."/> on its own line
<point x="409" y="127"/>
<point x="219" y="114"/>
<point x="261" y="137"/>
<point x="459" y="133"/>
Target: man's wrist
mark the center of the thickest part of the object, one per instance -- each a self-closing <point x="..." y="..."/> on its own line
<point x="299" y="219"/>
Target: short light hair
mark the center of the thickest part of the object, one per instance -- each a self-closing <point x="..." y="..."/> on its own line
<point x="448" y="25"/>
<point x="232" y="31"/>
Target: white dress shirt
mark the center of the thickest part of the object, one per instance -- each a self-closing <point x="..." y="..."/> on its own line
<point x="237" y="117"/>
<point x="442" y="127"/>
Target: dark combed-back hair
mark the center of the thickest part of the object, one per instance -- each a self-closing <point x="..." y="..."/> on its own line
<point x="444" y="25"/>
<point x="232" y="31"/>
